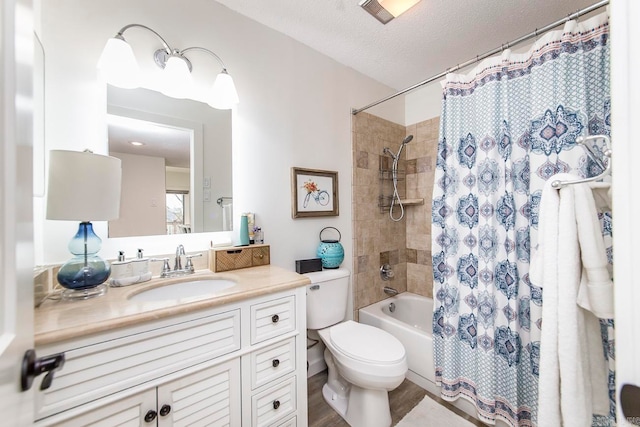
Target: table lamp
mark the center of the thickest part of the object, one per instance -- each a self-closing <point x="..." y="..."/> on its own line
<point x="84" y="187"/>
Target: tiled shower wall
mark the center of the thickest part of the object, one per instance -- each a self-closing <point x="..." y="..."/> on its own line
<point x="405" y="245"/>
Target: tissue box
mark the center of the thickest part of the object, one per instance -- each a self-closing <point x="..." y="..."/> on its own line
<point x="308" y="265"/>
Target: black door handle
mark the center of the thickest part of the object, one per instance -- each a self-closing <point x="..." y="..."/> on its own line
<point x="33" y="366"/>
<point x="629" y="398"/>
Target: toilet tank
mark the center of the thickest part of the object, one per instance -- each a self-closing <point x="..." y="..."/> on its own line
<point x="327" y="297"/>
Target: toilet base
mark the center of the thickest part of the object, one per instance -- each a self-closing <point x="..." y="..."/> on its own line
<point x="362" y="407"/>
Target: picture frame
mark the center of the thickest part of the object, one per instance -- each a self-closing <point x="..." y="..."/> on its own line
<point x="314" y="193"/>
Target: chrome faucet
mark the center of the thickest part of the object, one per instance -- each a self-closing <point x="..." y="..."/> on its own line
<point x="390" y="291"/>
<point x="178" y="264"/>
<point x="178" y="270"/>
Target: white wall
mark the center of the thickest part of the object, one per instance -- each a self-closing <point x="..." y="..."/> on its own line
<point x="423" y="103"/>
<point x="294" y="110"/>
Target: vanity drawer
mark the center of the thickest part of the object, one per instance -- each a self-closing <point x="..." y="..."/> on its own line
<point x="273" y="362"/>
<point x="97" y="370"/>
<point x="260" y="256"/>
<point x="291" y="422"/>
<point x="274" y="403"/>
<point x="272" y="318"/>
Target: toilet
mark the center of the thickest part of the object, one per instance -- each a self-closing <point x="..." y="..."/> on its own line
<point x="364" y="362"/>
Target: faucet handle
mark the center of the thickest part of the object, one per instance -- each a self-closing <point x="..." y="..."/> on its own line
<point x="166" y="268"/>
<point x="189" y="265"/>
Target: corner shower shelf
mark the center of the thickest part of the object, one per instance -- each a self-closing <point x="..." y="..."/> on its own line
<point x="384" y="203"/>
<point x="387" y="174"/>
<point x="412" y="202"/>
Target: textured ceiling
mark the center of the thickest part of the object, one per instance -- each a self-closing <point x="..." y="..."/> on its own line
<point x="429" y="38"/>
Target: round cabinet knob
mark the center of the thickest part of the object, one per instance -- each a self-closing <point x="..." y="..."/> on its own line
<point x="150" y="416"/>
<point x="276" y="404"/>
<point x="164" y="411"/>
<point x="275" y="318"/>
<point x="275" y="363"/>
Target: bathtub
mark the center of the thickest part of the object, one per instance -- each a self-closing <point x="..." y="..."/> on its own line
<point x="410" y="322"/>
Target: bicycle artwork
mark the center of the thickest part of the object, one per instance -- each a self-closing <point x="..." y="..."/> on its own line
<point x="314" y="193"/>
<point x="320" y="196"/>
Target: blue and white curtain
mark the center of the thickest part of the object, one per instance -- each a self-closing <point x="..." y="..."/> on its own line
<point x="505" y="129"/>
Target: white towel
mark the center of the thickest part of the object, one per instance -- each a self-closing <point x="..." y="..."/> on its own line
<point x="572" y="384"/>
<point x="227" y="216"/>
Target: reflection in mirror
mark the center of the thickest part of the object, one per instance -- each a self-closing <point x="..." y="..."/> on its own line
<point x="181" y="166"/>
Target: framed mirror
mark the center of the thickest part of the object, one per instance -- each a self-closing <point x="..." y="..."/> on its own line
<point x="176" y="160"/>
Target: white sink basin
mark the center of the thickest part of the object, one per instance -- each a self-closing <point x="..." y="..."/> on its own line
<point x="189" y="289"/>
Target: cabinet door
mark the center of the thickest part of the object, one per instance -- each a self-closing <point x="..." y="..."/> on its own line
<point x="128" y="412"/>
<point x="210" y="397"/>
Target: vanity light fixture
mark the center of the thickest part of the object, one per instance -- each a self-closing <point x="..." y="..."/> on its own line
<point x="137" y="143"/>
<point x="119" y="67"/>
<point x="385" y="10"/>
<point x="83" y="186"/>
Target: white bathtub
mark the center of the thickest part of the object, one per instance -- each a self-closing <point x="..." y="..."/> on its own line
<point x="410" y="322"/>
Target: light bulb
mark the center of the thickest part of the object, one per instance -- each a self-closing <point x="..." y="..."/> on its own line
<point x="176" y="78"/>
<point x="118" y="64"/>
<point x="223" y="93"/>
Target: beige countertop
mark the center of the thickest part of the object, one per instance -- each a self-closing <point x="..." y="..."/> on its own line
<point x="57" y="321"/>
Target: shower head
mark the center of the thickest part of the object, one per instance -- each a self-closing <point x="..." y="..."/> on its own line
<point x="407" y="140"/>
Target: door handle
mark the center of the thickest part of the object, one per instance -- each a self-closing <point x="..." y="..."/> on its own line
<point x="33" y="366"/>
<point x="629" y="398"/>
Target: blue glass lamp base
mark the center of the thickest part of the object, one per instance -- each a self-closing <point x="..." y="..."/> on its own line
<point x="85" y="274"/>
<point x="76" y="294"/>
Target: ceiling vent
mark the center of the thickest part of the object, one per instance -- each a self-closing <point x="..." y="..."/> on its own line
<point x="385" y="10"/>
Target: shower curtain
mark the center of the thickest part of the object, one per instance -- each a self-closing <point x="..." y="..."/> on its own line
<point x="505" y="129"/>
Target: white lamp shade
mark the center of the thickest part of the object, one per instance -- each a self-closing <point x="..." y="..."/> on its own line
<point x="223" y="93"/>
<point x="83" y="186"/>
<point x="397" y="7"/>
<point x="176" y="78"/>
<point x="118" y="64"/>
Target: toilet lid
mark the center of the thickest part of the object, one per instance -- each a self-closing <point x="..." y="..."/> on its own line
<point x="366" y="343"/>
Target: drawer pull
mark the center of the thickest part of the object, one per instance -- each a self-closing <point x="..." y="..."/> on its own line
<point x="164" y="411"/>
<point x="275" y="363"/>
<point x="150" y="416"/>
<point x="275" y="318"/>
<point x="276" y="404"/>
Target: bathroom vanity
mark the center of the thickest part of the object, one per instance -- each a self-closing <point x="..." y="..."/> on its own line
<point x="236" y="357"/>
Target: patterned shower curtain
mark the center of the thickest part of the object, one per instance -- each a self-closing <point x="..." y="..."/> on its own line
<point x="505" y="129"/>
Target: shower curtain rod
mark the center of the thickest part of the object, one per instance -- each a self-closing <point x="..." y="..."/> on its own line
<point x="479" y="58"/>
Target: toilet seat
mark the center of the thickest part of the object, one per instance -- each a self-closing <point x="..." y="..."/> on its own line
<point x="366" y="343"/>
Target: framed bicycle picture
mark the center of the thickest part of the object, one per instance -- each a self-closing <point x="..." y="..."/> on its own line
<point x="313" y="193"/>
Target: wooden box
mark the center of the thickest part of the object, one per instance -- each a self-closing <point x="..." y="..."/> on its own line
<point x="234" y="258"/>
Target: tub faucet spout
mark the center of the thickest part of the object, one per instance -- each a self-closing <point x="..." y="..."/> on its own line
<point x="390" y="291"/>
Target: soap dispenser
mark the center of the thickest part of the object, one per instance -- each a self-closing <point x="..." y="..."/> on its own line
<point x="140" y="264"/>
<point x="120" y="269"/>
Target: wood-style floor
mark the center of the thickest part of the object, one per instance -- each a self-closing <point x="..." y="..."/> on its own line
<point x="401" y="401"/>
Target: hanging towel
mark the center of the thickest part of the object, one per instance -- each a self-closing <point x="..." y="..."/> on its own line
<point x="227" y="216"/>
<point x="573" y="373"/>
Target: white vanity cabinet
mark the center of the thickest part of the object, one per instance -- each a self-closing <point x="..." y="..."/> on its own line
<point x="240" y="364"/>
